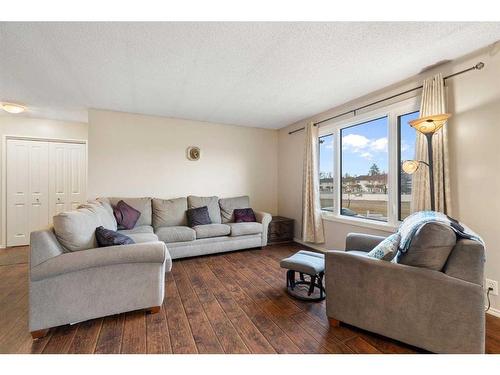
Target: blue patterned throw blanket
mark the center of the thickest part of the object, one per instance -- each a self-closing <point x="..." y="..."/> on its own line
<point x="412" y="223"/>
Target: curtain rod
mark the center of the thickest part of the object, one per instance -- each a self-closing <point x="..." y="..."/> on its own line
<point x="478" y="66"/>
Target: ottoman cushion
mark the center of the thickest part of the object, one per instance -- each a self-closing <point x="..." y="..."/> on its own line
<point x="305" y="262"/>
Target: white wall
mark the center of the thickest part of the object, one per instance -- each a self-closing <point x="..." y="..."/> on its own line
<point x="137" y="155"/>
<point x="32" y="127"/>
<point x="474" y="134"/>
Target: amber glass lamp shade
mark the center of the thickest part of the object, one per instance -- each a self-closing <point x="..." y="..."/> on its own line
<point x="430" y="124"/>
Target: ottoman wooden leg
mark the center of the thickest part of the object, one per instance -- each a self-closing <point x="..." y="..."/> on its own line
<point x="334" y="322"/>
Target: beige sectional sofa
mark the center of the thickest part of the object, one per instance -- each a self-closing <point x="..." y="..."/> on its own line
<point x="166" y="220"/>
<point x="73" y="280"/>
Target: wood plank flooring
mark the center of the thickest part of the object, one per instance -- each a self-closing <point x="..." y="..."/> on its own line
<point x="225" y="303"/>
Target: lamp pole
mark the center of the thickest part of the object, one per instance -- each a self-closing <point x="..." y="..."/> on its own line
<point x="428" y="126"/>
<point x="428" y="136"/>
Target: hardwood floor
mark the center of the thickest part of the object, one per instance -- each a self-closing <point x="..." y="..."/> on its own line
<point x="226" y="303"/>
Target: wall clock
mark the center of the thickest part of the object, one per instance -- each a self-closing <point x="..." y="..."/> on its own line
<point x="193" y="153"/>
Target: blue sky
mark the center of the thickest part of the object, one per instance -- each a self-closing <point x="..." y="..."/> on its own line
<point x="365" y="144"/>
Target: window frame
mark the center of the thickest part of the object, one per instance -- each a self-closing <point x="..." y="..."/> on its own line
<point x="339" y="197"/>
<point x="334" y="127"/>
<point x="400" y="170"/>
<point x="319" y="171"/>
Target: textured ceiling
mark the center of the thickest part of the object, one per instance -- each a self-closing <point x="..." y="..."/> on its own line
<point x="253" y="74"/>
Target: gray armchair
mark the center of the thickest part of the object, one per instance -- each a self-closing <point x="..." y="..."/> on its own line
<point x="442" y="312"/>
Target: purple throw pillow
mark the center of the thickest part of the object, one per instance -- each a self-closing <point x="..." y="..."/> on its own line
<point x="107" y="237"/>
<point x="126" y="216"/>
<point x="198" y="216"/>
<point x="244" y="215"/>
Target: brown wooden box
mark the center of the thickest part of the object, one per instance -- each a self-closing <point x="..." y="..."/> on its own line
<point x="280" y="230"/>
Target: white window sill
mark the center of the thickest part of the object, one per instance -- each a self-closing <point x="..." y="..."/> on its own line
<point x="364" y="223"/>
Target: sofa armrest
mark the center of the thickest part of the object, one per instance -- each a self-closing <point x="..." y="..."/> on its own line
<point x="264" y="218"/>
<point x="421" y="307"/>
<point x="43" y="246"/>
<point x="466" y="261"/>
<point x="362" y="242"/>
<point x="147" y="252"/>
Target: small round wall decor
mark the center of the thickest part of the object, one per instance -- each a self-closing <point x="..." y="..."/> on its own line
<point x="193" y="153"/>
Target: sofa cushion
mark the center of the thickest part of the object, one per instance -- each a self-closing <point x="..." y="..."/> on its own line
<point x="169" y="212"/>
<point x="104" y="211"/>
<point x="176" y="234"/>
<point x="242" y="229"/>
<point x="126" y="216"/>
<point x="75" y="230"/>
<point x="359" y="253"/>
<point x="138" y="229"/>
<point x="198" y="216"/>
<point x="212" y="230"/>
<point x="430" y="247"/>
<point x="227" y="205"/>
<point x="387" y="249"/>
<point x="106" y="237"/>
<point x="212" y="204"/>
<point x="244" y="215"/>
<point x="143" y="205"/>
<point x="142" y="237"/>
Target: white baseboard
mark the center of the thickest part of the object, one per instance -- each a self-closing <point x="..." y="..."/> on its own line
<point x="311" y="245"/>
<point x="494" y="312"/>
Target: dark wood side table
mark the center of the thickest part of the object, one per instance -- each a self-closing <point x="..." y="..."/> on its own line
<point x="280" y="230"/>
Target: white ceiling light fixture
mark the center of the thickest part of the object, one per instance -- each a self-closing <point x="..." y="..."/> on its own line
<point x="13" y="108"/>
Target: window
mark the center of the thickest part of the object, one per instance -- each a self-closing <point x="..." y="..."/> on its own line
<point x="360" y="165"/>
<point x="406" y="151"/>
<point x="364" y="169"/>
<point x="326" y="172"/>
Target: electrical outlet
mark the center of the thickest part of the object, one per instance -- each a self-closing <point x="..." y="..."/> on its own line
<point x="493" y="284"/>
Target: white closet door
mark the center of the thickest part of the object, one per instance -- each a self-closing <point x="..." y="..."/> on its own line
<point x="77" y="174"/>
<point x="27" y="189"/>
<point x="67" y="176"/>
<point x="17" y="192"/>
<point x="58" y="177"/>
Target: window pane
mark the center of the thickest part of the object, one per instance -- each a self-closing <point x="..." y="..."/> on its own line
<point x="364" y="170"/>
<point x="326" y="172"/>
<point x="407" y="140"/>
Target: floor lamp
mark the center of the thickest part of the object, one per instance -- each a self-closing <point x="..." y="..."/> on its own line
<point x="428" y="126"/>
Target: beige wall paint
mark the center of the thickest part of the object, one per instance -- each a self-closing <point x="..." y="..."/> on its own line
<point x="137" y="155"/>
<point x="33" y="127"/>
<point x="474" y="133"/>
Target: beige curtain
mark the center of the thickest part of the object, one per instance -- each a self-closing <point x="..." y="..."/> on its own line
<point x="312" y="224"/>
<point x="433" y="103"/>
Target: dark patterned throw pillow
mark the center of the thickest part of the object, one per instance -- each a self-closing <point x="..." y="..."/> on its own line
<point x="107" y="237"/>
<point x="244" y="215"/>
<point x="198" y="216"/>
<point x="126" y="216"/>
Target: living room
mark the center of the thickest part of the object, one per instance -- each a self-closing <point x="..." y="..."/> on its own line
<point x="249" y="187"/>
